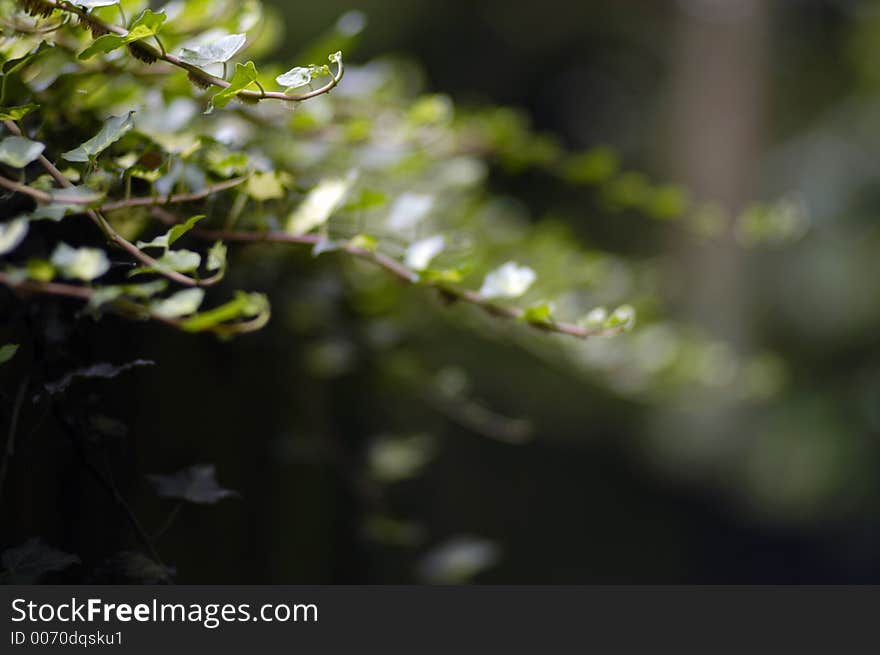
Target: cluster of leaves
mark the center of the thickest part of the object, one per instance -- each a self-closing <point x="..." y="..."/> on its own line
<point x="248" y="172"/>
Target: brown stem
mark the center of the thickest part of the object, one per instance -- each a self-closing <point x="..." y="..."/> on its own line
<point x="400" y="272"/>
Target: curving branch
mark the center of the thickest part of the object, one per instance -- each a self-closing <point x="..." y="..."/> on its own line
<point x="46" y="197"/>
<point x="400" y="272"/>
<point x="123" y="306"/>
<point x="197" y="73"/>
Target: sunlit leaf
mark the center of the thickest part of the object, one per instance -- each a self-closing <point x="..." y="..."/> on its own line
<point x="146" y="25"/>
<point x="16" y="113"/>
<point x="509" y="280"/>
<point x="458" y="560"/>
<point x="80" y="263"/>
<point x="18" y="152"/>
<point x="320" y="203"/>
<point x="12" y="233"/>
<point x="295" y="77"/>
<point x="167" y="240"/>
<point x="540" y="313"/>
<point x="247" y="305"/>
<point x="215" y="52"/>
<point x="181" y="303"/>
<point x="113" y="129"/>
<point x="244" y="76"/>
<point x="420" y="253"/>
<point x="216" y="257"/>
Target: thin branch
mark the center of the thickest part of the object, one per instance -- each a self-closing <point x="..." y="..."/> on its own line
<point x="145" y="201"/>
<point x="125" y="307"/>
<point x="195" y="70"/>
<point x="400" y="272"/>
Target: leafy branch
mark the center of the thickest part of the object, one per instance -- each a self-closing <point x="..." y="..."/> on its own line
<point x="148" y="53"/>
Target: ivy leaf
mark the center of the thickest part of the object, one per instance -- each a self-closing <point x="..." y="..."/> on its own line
<point x="183" y="261"/>
<point x="27" y="563"/>
<point x="215" y="52"/>
<point x="623" y="317"/>
<point x="80" y="263"/>
<point x="167" y="240"/>
<point x="102" y="370"/>
<point x="509" y="280"/>
<point x="246" y="305"/>
<point x="7" y="352"/>
<point x="267" y="186"/>
<point x="16" y="113"/>
<point x="113" y="129"/>
<point x="181" y="303"/>
<point x="420" y="253"/>
<point x="145" y="26"/>
<point x="110" y="293"/>
<point x="216" y="257"/>
<point x="540" y="313"/>
<point x="295" y="77"/>
<point x="244" y="76"/>
<point x="196" y="484"/>
<point x="12" y="234"/>
<point x="318" y="205"/>
<point x="18" y="152"/>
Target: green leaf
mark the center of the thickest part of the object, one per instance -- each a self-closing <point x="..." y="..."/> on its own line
<point x="181" y="303"/>
<point x="216" y="257"/>
<point x="7" y="352"/>
<point x="244" y="76"/>
<point x="364" y="241"/>
<point x="80" y="263"/>
<point x="215" y="52"/>
<point x="540" y="313"/>
<point x="18" y="152"/>
<point x="295" y="77"/>
<point x="17" y="112"/>
<point x="107" y="294"/>
<point x="145" y="26"/>
<point x="507" y="281"/>
<point x="247" y="305"/>
<point x="622" y="317"/>
<point x="267" y="186"/>
<point x="167" y="240"/>
<point x="317" y="207"/>
<point x="12" y="234"/>
<point x="112" y="130"/>
<point x="40" y="269"/>
<point x="183" y="261"/>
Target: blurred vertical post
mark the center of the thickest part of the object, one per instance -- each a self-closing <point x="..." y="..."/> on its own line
<point x="714" y="132"/>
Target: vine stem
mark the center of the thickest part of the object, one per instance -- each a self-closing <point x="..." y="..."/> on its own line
<point x="399" y="271"/>
<point x="63" y="5"/>
<point x="112" y="235"/>
<point x="125" y="307"/>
